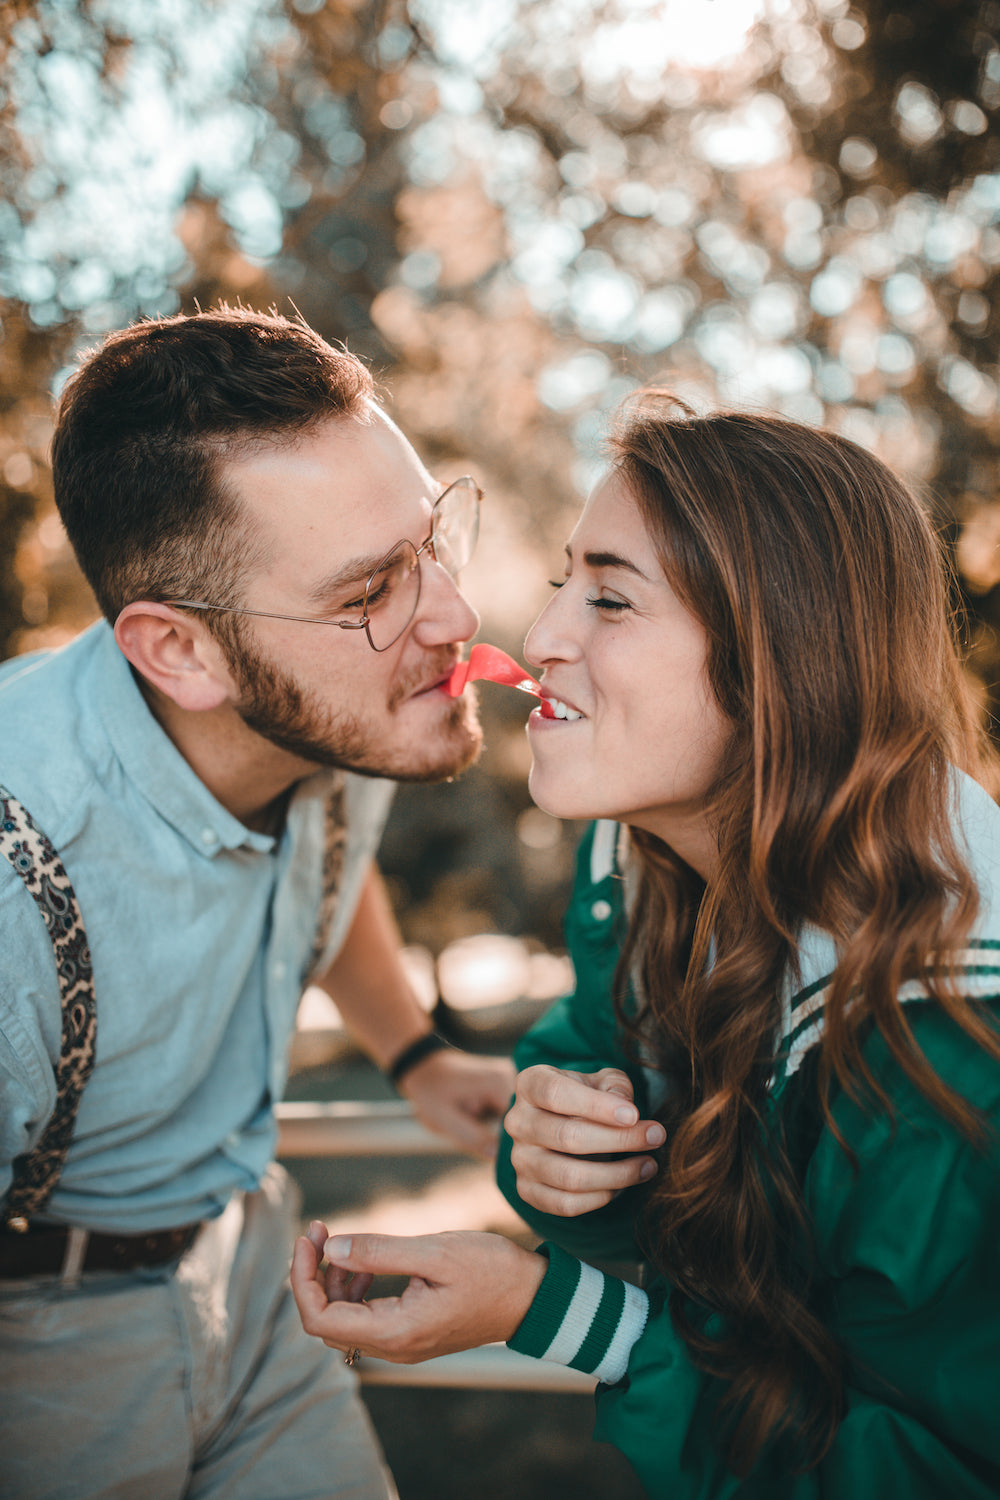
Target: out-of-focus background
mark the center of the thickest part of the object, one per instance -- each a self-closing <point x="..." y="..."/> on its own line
<point x="517" y="212"/>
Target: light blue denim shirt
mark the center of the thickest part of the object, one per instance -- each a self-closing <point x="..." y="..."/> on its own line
<point x="200" y="932"/>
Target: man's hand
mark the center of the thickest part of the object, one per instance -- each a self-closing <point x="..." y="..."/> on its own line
<point x="462" y="1096"/>
<point x="465" y="1289"/>
<point x="563" y="1124"/>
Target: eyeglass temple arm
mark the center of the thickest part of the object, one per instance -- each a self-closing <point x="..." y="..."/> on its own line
<point x="263" y="614"/>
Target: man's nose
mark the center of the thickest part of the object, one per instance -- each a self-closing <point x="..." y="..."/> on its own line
<point x="444" y="615"/>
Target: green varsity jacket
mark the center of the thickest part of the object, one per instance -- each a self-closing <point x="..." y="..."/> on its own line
<point x="908" y="1244"/>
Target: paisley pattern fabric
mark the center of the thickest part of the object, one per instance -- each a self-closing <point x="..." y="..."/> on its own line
<point x="334" y="847"/>
<point x="31" y="854"/>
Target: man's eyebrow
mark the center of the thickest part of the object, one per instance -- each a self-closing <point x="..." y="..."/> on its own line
<point x="354" y="573"/>
<point x="597" y="560"/>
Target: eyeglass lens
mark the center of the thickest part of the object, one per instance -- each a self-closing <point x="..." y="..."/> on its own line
<point x="455" y="524"/>
<point x="394" y="590"/>
<point x="391" y="599"/>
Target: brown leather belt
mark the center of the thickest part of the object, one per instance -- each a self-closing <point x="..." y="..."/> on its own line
<point x="42" y="1250"/>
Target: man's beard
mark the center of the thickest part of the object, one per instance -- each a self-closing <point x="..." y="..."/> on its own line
<point x="274" y="705"/>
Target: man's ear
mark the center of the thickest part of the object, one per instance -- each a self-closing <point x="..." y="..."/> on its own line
<point x="176" y="654"/>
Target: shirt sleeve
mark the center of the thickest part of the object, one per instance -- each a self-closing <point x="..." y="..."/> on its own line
<point x="30" y="1024"/>
<point x="23" y="1108"/>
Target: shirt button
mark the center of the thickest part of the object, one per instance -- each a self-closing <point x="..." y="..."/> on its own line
<point x="233" y="1138"/>
<point x="601" y="911"/>
<point x="279" y="971"/>
<point x="209" y="836"/>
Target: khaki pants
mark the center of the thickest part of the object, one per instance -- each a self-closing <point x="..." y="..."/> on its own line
<point x="195" y="1381"/>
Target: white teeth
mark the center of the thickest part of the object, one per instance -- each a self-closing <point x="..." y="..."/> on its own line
<point x="563" y="710"/>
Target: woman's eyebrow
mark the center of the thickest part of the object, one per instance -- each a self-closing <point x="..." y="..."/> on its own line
<point x="597" y="560"/>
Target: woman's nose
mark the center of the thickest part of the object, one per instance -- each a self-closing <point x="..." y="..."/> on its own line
<point x="549" y="639"/>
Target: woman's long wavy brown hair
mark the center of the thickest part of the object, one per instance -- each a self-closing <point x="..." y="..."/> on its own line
<point x="831" y="649"/>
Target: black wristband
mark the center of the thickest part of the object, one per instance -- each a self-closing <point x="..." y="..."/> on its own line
<point x="415" y="1053"/>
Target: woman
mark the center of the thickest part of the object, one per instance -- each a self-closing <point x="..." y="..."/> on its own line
<point x="786" y="946"/>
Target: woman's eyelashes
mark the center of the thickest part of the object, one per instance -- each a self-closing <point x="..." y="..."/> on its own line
<point x="612" y="606"/>
<point x="596" y="601"/>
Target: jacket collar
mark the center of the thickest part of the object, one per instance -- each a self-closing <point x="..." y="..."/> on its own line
<point x="977" y="819"/>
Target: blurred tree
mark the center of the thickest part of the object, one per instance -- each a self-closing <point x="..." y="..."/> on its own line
<point x="110" y="115"/>
<point x="934" y="176"/>
<point x="809" y="224"/>
<point x="175" y="153"/>
<point x="519" y="213"/>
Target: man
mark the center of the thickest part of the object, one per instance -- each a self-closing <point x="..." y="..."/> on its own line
<point x="276" y="568"/>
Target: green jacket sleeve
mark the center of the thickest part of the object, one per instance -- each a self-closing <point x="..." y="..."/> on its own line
<point x="908" y="1251"/>
<point x="580" y="1033"/>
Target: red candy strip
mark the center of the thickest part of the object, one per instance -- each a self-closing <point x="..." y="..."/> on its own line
<point x="492" y="665"/>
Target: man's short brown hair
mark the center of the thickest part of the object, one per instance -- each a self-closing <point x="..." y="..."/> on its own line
<point x="144" y="425"/>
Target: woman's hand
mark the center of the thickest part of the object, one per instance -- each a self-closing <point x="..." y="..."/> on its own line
<point x="465" y="1289"/>
<point x="565" y="1126"/>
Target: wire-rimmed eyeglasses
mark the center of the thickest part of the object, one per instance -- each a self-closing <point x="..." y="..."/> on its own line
<point x="392" y="592"/>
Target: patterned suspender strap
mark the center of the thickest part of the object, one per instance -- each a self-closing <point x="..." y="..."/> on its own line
<point x="334" y="845"/>
<point x="24" y="844"/>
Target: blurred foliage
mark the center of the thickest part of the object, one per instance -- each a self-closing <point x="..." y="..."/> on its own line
<point x="518" y="213"/>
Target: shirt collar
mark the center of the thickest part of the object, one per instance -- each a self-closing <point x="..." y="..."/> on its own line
<point x="157" y="768"/>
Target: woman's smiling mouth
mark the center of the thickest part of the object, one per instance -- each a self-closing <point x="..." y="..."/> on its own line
<point x="555" y="708"/>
